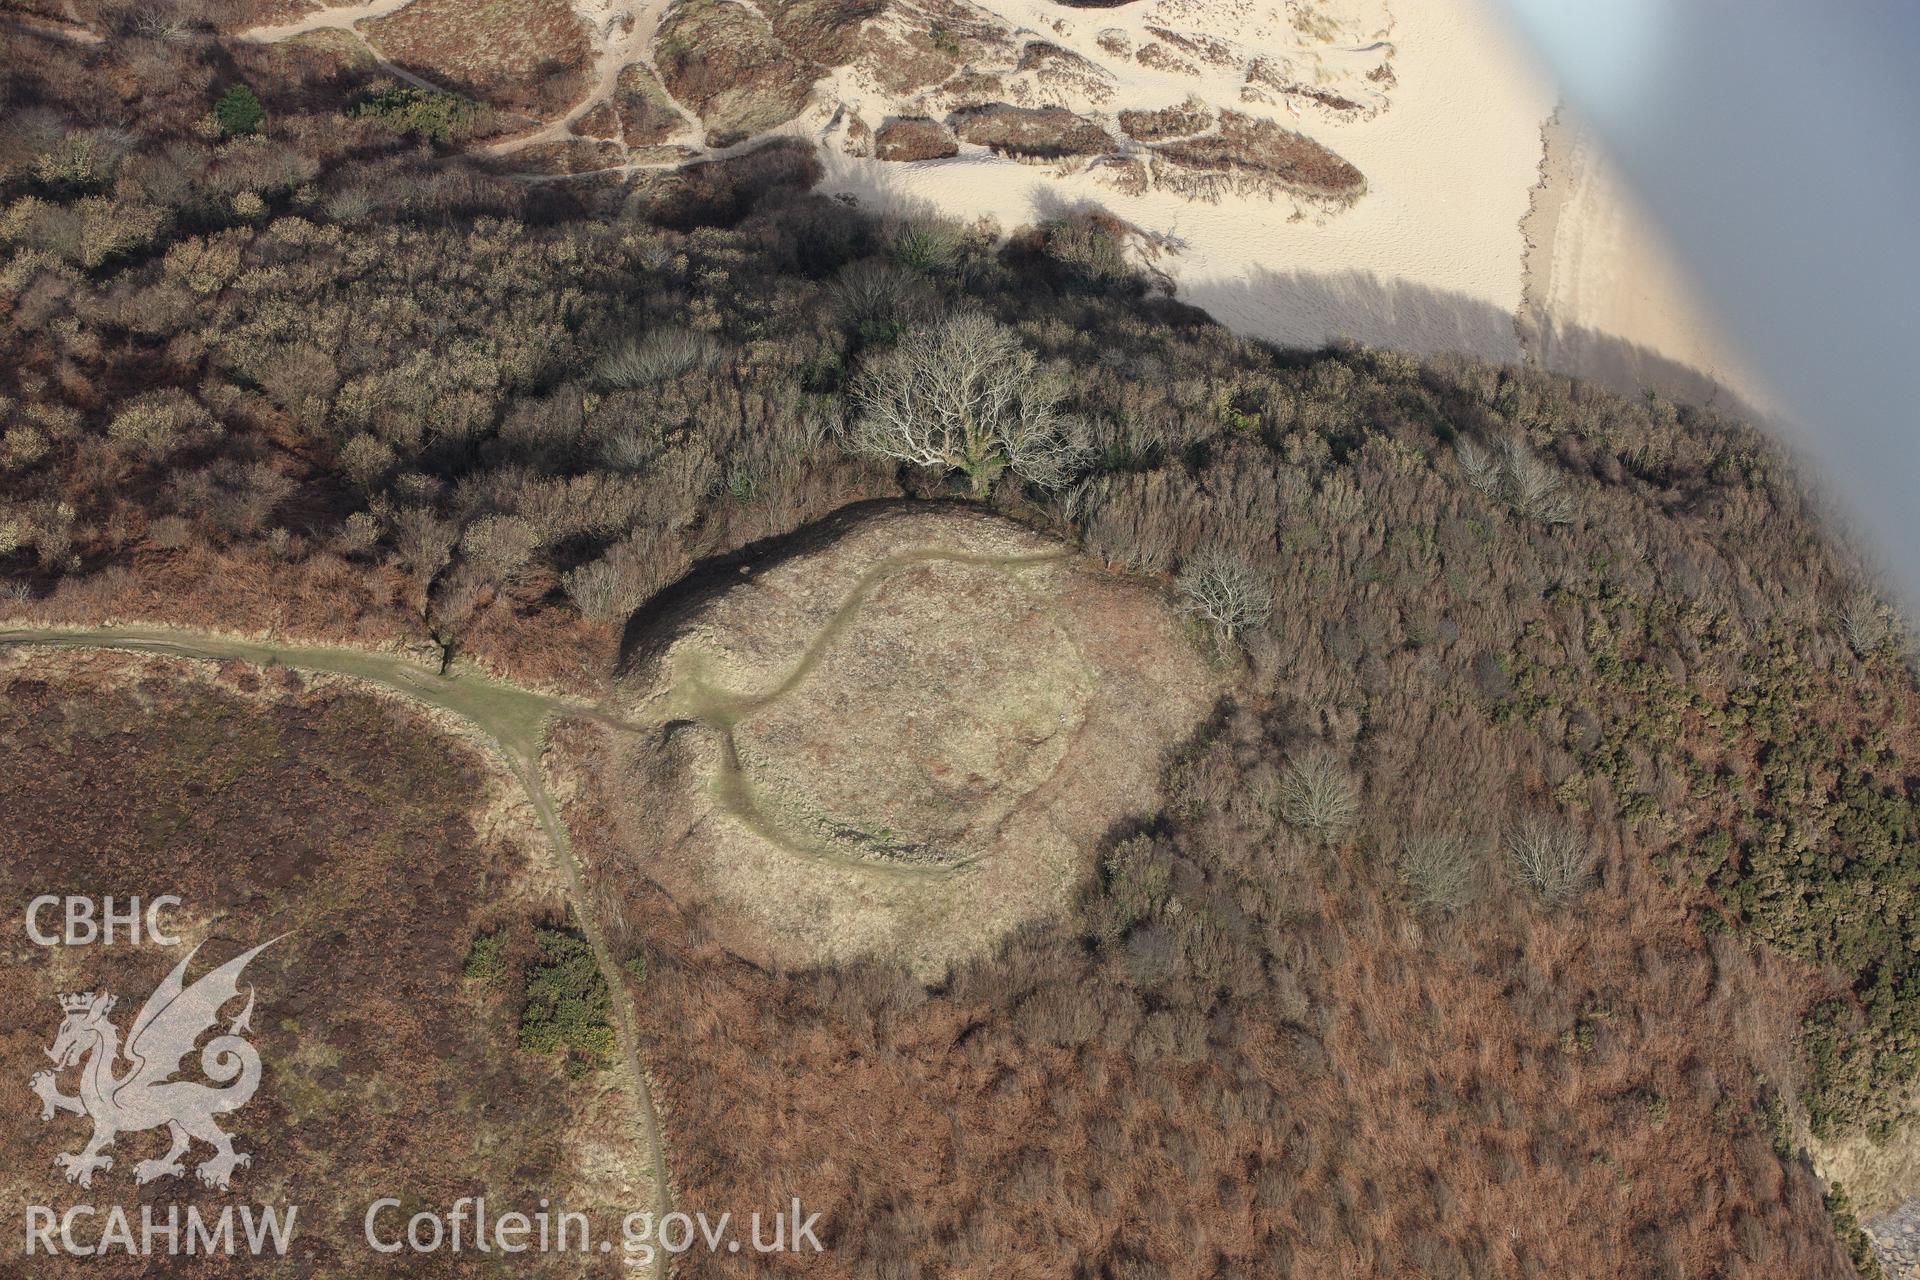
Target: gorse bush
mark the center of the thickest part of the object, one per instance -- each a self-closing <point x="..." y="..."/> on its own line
<point x="406" y="439"/>
<point x="1853" y="1237"/>
<point x="1792" y="818"/>
<point x="567" y="1006"/>
<point x="485" y="963"/>
<point x="239" y="111"/>
<point x="429" y="113"/>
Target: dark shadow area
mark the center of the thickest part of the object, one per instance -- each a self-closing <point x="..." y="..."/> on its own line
<point x="655" y="625"/>
<point x="1400" y="315"/>
<point x="1629" y="368"/>
<point x="1309" y="309"/>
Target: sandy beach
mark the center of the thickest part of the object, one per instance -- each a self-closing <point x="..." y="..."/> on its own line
<point x="1490" y="222"/>
<point x="1483" y="229"/>
<point x="1606" y="298"/>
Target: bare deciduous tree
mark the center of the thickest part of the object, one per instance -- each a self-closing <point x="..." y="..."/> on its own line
<point x="1548" y="854"/>
<point x="1481" y="468"/>
<point x="965" y="395"/>
<point x="1317" y="794"/>
<point x="425" y="543"/>
<point x="349" y="204"/>
<point x="499" y="547"/>
<point x="151" y="24"/>
<point x="1863" y="623"/>
<point x="366" y="458"/>
<point x="610" y="588"/>
<point x="663" y="353"/>
<point x="870" y="291"/>
<point x="1226" y="591"/>
<point x="1533" y="487"/>
<point x="1438" y="869"/>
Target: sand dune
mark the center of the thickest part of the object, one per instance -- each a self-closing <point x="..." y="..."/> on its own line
<point x="1482" y="223"/>
<point x="1429" y="259"/>
<point x="1434" y="257"/>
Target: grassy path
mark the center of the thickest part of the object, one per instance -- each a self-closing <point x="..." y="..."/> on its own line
<point x="512" y="719"/>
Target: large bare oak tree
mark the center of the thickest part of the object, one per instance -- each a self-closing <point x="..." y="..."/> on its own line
<point x="965" y="395"/>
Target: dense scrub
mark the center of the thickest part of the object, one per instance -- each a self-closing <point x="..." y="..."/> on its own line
<point x="350" y="832"/>
<point x="1633" y="853"/>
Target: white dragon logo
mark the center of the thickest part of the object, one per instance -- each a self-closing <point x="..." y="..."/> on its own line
<point x="146" y="1096"/>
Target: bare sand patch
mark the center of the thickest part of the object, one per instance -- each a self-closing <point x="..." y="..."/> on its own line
<point x="1338" y="170"/>
<point x="1433" y="106"/>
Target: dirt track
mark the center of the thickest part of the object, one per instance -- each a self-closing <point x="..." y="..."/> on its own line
<point x="623" y="34"/>
<point x="512" y="719"/>
<point x="721" y="708"/>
